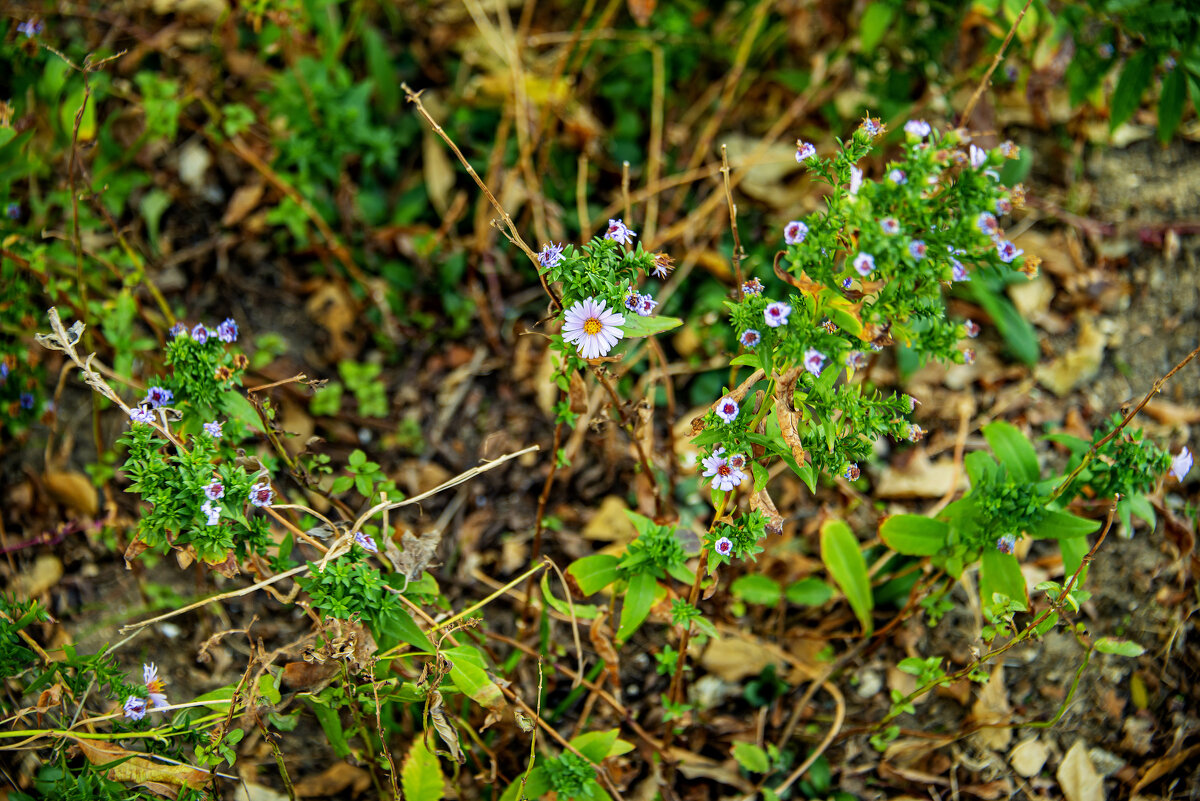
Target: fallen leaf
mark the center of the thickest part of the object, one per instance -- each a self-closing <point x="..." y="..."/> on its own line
<point x="245" y="199"/>
<point x="1028" y="757"/>
<point x="139" y="770"/>
<point x="439" y="171"/>
<point x="73" y="490"/>
<point x="610" y="523"/>
<point x="1159" y="768"/>
<point x="992" y="707"/>
<point x="1078" y="365"/>
<point x="339" y="780"/>
<point x="918" y="477"/>
<point x="249" y="791"/>
<point x="1077" y="776"/>
<point x="733" y="658"/>
<point x="46" y="572"/>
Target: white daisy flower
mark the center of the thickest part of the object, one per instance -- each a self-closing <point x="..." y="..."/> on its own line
<point x="592" y="327"/>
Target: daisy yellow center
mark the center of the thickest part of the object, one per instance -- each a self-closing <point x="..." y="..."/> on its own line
<point x="155" y="685"/>
<point x="592" y="326"/>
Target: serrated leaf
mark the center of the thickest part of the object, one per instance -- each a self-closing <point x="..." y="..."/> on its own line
<point x="1013" y="450"/>
<point x="1108" y="645"/>
<point x="914" y="535"/>
<point x="594" y="573"/>
<point x="756" y="588"/>
<point x="421" y="776"/>
<point x="636" y="326"/>
<point x="843" y="558"/>
<point x="751" y="757"/>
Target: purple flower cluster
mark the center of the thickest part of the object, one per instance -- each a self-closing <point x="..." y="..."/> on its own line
<point x="141" y="414"/>
<point x="864" y="263"/>
<point x="157" y="396"/>
<point x="641" y="305"/>
<point x="1006" y="544"/>
<point x="752" y="287"/>
<point x="724" y="546"/>
<point x="917" y="249"/>
<point x="727" y="409"/>
<point x="136" y="706"/>
<point x="212" y="512"/>
<point x="725" y="472"/>
<point x="366" y="542"/>
<point x="213" y="429"/>
<point x="227" y="331"/>
<point x="814" y="361"/>
<point x="918" y="128"/>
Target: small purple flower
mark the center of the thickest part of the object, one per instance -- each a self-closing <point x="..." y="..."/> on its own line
<point x="917" y="128"/>
<point x="1006" y="544"/>
<point x="958" y="271"/>
<point x="864" y="263"/>
<point x="1008" y="251"/>
<point x="1181" y="463"/>
<point x="912" y="403"/>
<point x="1169" y="63"/>
<point x="977" y="155"/>
<point x="724" y="476"/>
<point x="215" y="490"/>
<point x="158" y="396"/>
<point x="179" y="330"/>
<point x="750" y="338"/>
<point x="890" y="225"/>
<point x="227" y="331"/>
<point x="969" y="356"/>
<point x="154" y="685"/>
<point x="646" y="305"/>
<point x="727" y="409"/>
<point x="856" y="177"/>
<point x="917" y="249"/>
<point x="141" y="414"/>
<point x="30" y="28"/>
<point x="737" y="461"/>
<point x="550" y="255"/>
<point x="619" y="232"/>
<point x="804" y="151"/>
<point x="261" y="494"/>
<point x="135" y="707"/>
<point x="1003" y="205"/>
<point x="724" y="546"/>
<point x="856" y="359"/>
<point x="776" y="314"/>
<point x="915" y="433"/>
<point x="1106" y="50"/>
<point x="898" y="176"/>
<point x="847" y="283"/>
<point x="814" y="361"/>
<point x="212" y="512"/>
<point x="366" y="542"/>
<point x="972" y="328"/>
<point x="213" y="429"/>
<point x="794" y="232"/>
<point x="26" y="400"/>
<point x="871" y="127"/>
<point x="987" y="224"/>
<point x="852" y="472"/>
<point x="200" y="333"/>
<point x="13" y="211"/>
<point x="631" y="300"/>
<point x="752" y="287"/>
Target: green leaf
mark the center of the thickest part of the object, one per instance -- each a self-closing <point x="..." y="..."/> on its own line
<point x="1019" y="335"/>
<point x="842" y="557"/>
<point x="751" y="757"/>
<point x="331" y="723"/>
<point x="421" y="776"/>
<point x="1058" y="525"/>
<point x="472" y="680"/>
<point x="638" y="600"/>
<point x="747" y="360"/>
<point x="596" y="745"/>
<point x="914" y="535"/>
<point x="1141" y="506"/>
<point x="1170" y="104"/>
<point x="582" y="611"/>
<point x="760" y="476"/>
<point x="979" y="466"/>
<point x="399" y="626"/>
<point x="1013" y="450"/>
<point x="1001" y="572"/>
<point x="1135" y="77"/>
<point x="809" y="591"/>
<point x="1073" y="550"/>
<point x="536" y="786"/>
<point x="594" y="573"/>
<point x="876" y="19"/>
<point x="756" y="588"/>
<point x="636" y="326"/>
<point x="1107" y="645"/>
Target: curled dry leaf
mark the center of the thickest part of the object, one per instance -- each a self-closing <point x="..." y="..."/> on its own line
<point x="761" y="501"/>
<point x="444" y="728"/>
<point x="159" y="778"/>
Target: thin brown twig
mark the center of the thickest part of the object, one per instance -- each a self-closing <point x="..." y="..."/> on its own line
<point x="736" y="257"/>
<point x="966" y="116"/>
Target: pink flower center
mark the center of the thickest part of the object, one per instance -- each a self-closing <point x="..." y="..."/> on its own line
<point x="724" y="470"/>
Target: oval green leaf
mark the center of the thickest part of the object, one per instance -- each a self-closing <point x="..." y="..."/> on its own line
<point x="914" y="535"/>
<point x="1013" y="450"/>
<point x="594" y="573"/>
<point x="638" y="600"/>
<point x="843" y="558"/>
<point x="636" y="326"/>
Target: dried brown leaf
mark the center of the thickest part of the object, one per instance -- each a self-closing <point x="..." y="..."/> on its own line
<point x="154" y="776"/>
<point x="340" y="780"/>
<point x="73" y="490"/>
<point x="1078" y="777"/>
<point x="444" y="728"/>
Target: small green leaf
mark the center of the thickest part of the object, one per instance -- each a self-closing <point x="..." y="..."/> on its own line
<point x="1001" y="572"/>
<point x="331" y="723"/>
<point x="594" y="573"/>
<point x="760" y="476"/>
<point x="472" y="680"/>
<point x="843" y="558"/>
<point x="746" y="360"/>
<point x="1013" y="450"/>
<point x="751" y="757"/>
<point x="595" y="745"/>
<point x="1058" y="525"/>
<point x="1073" y="550"/>
<point x="421" y="776"/>
<point x="914" y="535"/>
<point x="399" y="626"/>
<point x="756" y="588"/>
<point x="1135" y="77"/>
<point x="1107" y="645"/>
<point x="809" y="591"/>
<point x="638" y="600"/>
<point x="875" y="21"/>
<point x="1170" y="104"/>
<point x="636" y="326"/>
